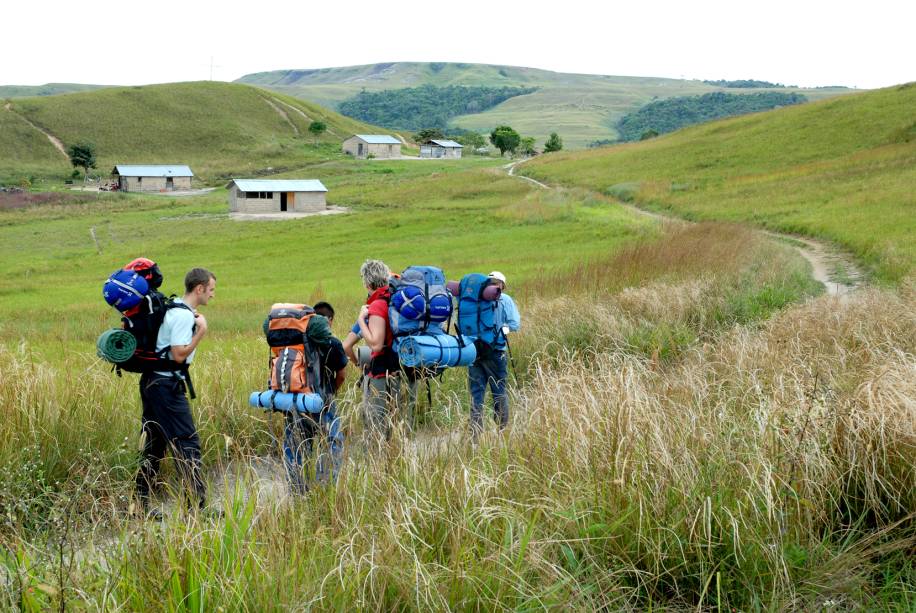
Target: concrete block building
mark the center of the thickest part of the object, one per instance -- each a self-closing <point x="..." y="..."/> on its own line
<point x="441" y="149"/>
<point x="376" y="145"/>
<point x="152" y="178"/>
<point x="277" y="196"/>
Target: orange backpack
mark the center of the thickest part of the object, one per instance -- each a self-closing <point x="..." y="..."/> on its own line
<point x="294" y="363"/>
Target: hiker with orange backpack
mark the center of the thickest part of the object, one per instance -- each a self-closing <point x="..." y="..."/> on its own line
<point x="383" y="375"/>
<point x="306" y="368"/>
<point x="333" y="362"/>
<point x="167" y="422"/>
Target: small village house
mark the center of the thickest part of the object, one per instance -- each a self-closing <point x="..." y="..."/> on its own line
<point x="376" y="145"/>
<point x="441" y="149"/>
<point x="152" y="178"/>
<point x="277" y="196"/>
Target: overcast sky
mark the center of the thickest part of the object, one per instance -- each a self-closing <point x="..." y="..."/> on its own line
<point x="798" y="42"/>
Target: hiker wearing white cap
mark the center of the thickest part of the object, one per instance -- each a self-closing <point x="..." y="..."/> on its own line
<point x="491" y="367"/>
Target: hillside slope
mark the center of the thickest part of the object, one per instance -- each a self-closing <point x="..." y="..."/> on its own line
<point x="48" y="89"/>
<point x="582" y="108"/>
<point x="841" y="169"/>
<point x="217" y="128"/>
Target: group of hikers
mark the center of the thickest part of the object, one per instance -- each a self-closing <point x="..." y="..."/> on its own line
<point x="388" y="386"/>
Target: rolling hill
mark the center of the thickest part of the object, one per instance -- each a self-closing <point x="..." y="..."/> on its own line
<point x="48" y="89"/>
<point x="581" y="108"/>
<point x="217" y="128"/>
<point x="840" y="169"/>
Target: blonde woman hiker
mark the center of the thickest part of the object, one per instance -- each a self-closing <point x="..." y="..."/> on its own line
<point x="382" y="376"/>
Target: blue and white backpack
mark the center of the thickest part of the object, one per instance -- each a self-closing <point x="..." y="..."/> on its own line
<point x="478" y="300"/>
<point x="420" y="302"/>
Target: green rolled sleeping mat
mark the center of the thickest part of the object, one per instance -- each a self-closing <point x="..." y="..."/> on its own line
<point x="116" y="345"/>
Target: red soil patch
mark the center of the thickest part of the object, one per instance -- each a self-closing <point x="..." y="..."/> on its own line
<point x="20" y="200"/>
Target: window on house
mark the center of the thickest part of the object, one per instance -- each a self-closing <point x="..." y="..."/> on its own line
<point x="262" y="195"/>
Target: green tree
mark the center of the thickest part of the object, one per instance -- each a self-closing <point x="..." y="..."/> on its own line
<point x="427" y="134"/>
<point x="82" y="155"/>
<point x="505" y="139"/>
<point x="553" y="143"/>
<point x="472" y="140"/>
<point x="527" y="146"/>
<point x="317" y="128"/>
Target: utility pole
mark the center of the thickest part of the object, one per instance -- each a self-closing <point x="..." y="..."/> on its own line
<point x="212" y="66"/>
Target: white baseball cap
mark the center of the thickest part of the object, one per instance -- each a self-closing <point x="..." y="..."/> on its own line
<point x="497" y="275"/>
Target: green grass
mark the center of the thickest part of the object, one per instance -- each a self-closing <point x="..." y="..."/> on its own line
<point x="217" y="128"/>
<point x="24" y="151"/>
<point x="48" y="89"/>
<point x="840" y="170"/>
<point x="580" y="108"/>
<point x="683" y="437"/>
<point x="402" y="212"/>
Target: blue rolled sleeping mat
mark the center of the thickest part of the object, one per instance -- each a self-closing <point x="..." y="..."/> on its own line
<point x="286" y="402"/>
<point x="435" y="350"/>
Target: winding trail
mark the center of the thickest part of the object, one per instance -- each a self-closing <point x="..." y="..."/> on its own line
<point x="282" y="114"/>
<point x="53" y="139"/>
<point x="302" y="114"/>
<point x="835" y="269"/>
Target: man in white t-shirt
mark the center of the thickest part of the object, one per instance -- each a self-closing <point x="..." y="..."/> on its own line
<point x="167" y="421"/>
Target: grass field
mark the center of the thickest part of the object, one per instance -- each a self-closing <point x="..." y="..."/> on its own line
<point x="581" y="108"/>
<point x="216" y="128"/>
<point x="840" y="170"/>
<point x="48" y="89"/>
<point x="693" y="428"/>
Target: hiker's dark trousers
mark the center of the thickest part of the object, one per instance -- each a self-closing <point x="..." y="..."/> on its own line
<point x="489" y="371"/>
<point x="304" y="435"/>
<point x="168" y="425"/>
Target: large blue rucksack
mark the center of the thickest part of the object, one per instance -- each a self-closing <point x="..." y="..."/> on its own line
<point x="420" y="302"/>
<point x="478" y="300"/>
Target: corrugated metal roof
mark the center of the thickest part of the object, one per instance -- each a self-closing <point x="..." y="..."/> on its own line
<point x="280" y="185"/>
<point x="158" y="170"/>
<point x="447" y="143"/>
<point x="378" y="139"/>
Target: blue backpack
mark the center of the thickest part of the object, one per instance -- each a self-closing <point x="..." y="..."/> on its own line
<point x="478" y="300"/>
<point x="420" y="302"/>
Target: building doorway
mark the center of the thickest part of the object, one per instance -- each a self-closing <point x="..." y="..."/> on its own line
<point x="359" y="150"/>
<point x="169" y="183"/>
<point x="283" y="201"/>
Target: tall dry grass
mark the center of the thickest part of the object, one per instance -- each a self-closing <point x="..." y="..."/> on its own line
<point x="764" y="466"/>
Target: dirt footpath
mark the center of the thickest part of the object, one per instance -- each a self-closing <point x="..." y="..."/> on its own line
<point x="835" y="269"/>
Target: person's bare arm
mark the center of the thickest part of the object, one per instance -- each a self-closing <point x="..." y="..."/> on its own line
<point x="348" y="344"/>
<point x="373" y="332"/>
<point x="341" y="377"/>
<point x="180" y="353"/>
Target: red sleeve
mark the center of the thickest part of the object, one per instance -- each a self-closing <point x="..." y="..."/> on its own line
<point x="379" y="308"/>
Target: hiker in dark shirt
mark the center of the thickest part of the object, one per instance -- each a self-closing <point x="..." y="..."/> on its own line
<point x="306" y="431"/>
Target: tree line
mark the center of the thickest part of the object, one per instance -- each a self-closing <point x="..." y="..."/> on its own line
<point x="427" y="106"/>
<point x="744" y="83"/>
<point x="672" y="114"/>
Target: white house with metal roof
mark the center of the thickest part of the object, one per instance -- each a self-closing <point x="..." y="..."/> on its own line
<point x="375" y="145"/>
<point x="152" y="178"/>
<point x="277" y="196"/>
<point x="441" y="148"/>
